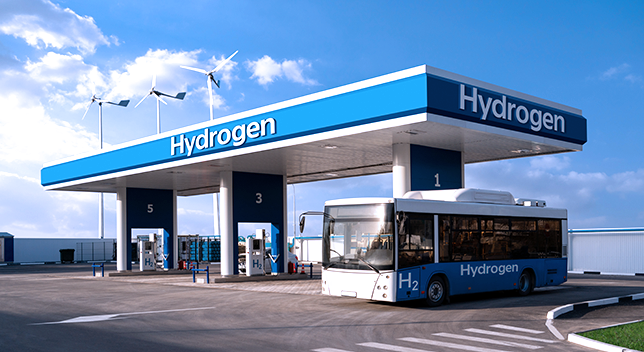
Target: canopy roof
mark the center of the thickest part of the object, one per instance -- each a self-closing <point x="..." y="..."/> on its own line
<point x="341" y="132"/>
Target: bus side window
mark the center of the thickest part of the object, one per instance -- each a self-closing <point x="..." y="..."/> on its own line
<point x="415" y="240"/>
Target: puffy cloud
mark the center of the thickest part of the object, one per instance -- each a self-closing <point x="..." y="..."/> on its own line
<point x="29" y="135"/>
<point x="266" y="70"/>
<point x="43" y="24"/>
<point x="614" y="71"/>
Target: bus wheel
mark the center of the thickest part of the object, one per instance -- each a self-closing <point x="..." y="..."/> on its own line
<point x="526" y="283"/>
<point x="436" y="292"/>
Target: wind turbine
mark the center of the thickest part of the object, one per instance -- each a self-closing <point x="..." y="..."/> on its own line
<point x="123" y="103"/>
<point x="210" y="78"/>
<point x="158" y="95"/>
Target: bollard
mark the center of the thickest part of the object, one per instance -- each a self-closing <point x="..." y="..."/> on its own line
<point x="194" y="272"/>
<point x="102" y="266"/>
<point x="311" y="272"/>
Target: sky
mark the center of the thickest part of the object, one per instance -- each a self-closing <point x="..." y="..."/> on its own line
<point x="55" y="54"/>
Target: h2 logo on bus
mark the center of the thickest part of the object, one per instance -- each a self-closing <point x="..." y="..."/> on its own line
<point x="412" y="284"/>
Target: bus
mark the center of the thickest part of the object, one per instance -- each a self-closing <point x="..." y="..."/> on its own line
<point x="430" y="245"/>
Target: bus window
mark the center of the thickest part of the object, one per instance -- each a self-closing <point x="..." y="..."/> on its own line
<point x="415" y="239"/>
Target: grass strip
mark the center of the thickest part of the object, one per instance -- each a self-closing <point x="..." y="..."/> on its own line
<point x="627" y="335"/>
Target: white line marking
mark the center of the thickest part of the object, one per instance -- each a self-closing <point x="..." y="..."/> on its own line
<point x="512" y="336"/>
<point x="484" y="340"/>
<point x="449" y="345"/>
<point x="107" y="317"/>
<point x="514" y="328"/>
<point x="329" y="350"/>
<point x="554" y="330"/>
<point x="383" y="346"/>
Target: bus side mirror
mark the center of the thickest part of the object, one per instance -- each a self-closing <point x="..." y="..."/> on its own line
<point x="302" y="224"/>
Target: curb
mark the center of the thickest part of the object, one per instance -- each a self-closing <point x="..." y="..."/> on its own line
<point x="553" y="314"/>
<point x="604" y="273"/>
<point x="584" y="341"/>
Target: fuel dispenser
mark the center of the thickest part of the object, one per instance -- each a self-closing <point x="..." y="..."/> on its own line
<point x="255" y="254"/>
<point x="147" y="260"/>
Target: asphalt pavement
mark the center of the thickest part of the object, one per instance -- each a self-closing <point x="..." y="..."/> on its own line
<point x="64" y="308"/>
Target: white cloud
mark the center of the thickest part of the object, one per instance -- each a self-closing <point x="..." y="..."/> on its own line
<point x="266" y="70"/>
<point x="29" y="135"/>
<point x="43" y="24"/>
<point x="614" y="71"/>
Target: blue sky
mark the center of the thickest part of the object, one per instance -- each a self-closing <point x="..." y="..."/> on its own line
<point x="54" y="55"/>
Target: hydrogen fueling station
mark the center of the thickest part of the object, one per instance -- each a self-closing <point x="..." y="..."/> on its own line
<point x="422" y="124"/>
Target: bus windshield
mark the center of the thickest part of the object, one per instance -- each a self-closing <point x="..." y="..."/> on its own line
<point x="359" y="237"/>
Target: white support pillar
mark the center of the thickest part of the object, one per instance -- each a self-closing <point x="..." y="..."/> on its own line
<point x="121" y="230"/>
<point x="175" y="231"/>
<point x="285" y="222"/>
<point x="401" y="169"/>
<point x="226" y="211"/>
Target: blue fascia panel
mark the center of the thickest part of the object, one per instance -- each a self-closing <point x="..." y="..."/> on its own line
<point x="383" y="102"/>
<point x="445" y="95"/>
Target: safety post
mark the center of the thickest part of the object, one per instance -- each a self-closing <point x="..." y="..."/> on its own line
<point x="207" y="270"/>
<point x="102" y="266"/>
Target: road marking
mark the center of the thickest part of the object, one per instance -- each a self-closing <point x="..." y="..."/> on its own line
<point x="514" y="328"/>
<point x="554" y="330"/>
<point x="395" y="348"/>
<point x="485" y="340"/>
<point x="512" y="336"/>
<point x="108" y="317"/>
<point x="329" y="350"/>
<point x="449" y="345"/>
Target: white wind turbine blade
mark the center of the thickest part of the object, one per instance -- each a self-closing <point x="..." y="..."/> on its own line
<point x="86" y="110"/>
<point x="147" y="95"/>
<point x="223" y="63"/>
<point x="195" y="69"/>
<point x="159" y="98"/>
<point x="154" y="81"/>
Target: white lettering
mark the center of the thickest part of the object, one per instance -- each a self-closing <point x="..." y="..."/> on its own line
<point x="174" y="145"/>
<point x="525" y="117"/>
<point x="562" y="124"/>
<point x="190" y="143"/>
<point x="239" y="135"/>
<point x="486" y="107"/>
<point x="252" y="130"/>
<point x="408" y="280"/>
<point x="471" y="98"/>
<point x="536" y="124"/>
<point x="203" y="137"/>
<point x="496" y="104"/>
<point x="487" y="270"/>
<point x="224" y="140"/>
<point x="503" y="109"/>
<point x="270" y="121"/>
<point x="547" y="120"/>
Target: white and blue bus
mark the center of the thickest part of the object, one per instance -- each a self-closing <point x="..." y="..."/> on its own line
<point x="434" y="244"/>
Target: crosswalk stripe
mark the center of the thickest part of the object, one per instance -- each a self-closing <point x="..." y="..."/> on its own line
<point x="512" y="336"/>
<point x="329" y="350"/>
<point x="386" y="347"/>
<point x="449" y="345"/>
<point x="490" y="341"/>
<point x="514" y="328"/>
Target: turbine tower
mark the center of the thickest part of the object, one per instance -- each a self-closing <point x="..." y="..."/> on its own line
<point x="210" y="80"/>
<point x="209" y="77"/>
<point x="123" y="103"/>
<point x="158" y="95"/>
